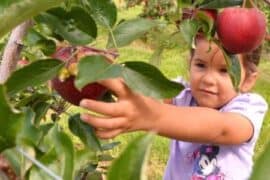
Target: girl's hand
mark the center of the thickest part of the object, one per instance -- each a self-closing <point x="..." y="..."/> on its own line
<point x="131" y="112"/>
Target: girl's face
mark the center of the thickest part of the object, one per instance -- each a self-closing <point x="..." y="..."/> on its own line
<point x="210" y="82"/>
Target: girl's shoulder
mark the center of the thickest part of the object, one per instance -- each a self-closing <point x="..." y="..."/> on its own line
<point x="184" y="98"/>
<point x="248" y="100"/>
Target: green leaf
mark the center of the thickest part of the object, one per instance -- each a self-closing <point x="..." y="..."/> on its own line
<point x="132" y="160"/>
<point x="14" y="12"/>
<point x="104" y="11"/>
<point x="33" y="99"/>
<point x="127" y="31"/>
<point x="110" y="146"/>
<point x="84" y="131"/>
<point x="76" y="25"/>
<point x="10" y="122"/>
<point x="65" y="148"/>
<point x="84" y="159"/>
<point x="214" y="4"/>
<point x="5" y="3"/>
<point x="14" y="158"/>
<point x="157" y="56"/>
<point x="40" y="110"/>
<point x="234" y="68"/>
<point x="34" y="74"/>
<point x="184" y="3"/>
<point x="93" y="68"/>
<point x="261" y="166"/>
<point x="50" y="160"/>
<point x="189" y="29"/>
<point x="29" y="135"/>
<point x="34" y="38"/>
<point x="148" y="80"/>
<point x="207" y="23"/>
<point x="141" y="77"/>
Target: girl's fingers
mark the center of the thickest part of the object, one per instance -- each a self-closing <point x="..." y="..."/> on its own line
<point x="105" y="134"/>
<point x="103" y="122"/>
<point x="117" y="85"/>
<point x="108" y="109"/>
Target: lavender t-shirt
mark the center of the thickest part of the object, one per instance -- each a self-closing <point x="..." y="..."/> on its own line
<point x="195" y="161"/>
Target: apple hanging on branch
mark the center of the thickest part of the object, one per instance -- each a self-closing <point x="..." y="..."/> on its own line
<point x="241" y="30"/>
<point x="64" y="82"/>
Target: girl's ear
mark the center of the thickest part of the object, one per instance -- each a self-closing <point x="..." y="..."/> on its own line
<point x="249" y="82"/>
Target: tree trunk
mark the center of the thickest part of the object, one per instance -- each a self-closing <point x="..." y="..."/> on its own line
<point x="12" y="50"/>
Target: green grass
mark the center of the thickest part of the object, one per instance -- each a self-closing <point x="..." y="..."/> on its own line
<point x="263" y="87"/>
<point x="173" y="64"/>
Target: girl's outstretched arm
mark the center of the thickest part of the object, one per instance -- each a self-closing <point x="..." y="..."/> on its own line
<point x="134" y="112"/>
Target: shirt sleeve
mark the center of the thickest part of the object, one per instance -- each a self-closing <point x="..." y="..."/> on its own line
<point x="253" y="107"/>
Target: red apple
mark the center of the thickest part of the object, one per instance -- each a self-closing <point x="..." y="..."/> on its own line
<point x="241" y="30"/>
<point x="65" y="87"/>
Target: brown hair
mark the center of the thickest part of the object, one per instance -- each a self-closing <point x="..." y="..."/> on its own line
<point x="250" y="59"/>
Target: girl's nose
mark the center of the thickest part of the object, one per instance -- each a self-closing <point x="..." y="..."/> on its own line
<point x="208" y="78"/>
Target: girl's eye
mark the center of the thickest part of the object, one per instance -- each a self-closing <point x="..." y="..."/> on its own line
<point x="200" y="65"/>
<point x="223" y="70"/>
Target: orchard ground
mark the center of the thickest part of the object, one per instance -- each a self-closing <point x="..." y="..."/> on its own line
<point x="174" y="63"/>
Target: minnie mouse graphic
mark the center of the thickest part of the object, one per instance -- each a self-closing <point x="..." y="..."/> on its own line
<point x="206" y="167"/>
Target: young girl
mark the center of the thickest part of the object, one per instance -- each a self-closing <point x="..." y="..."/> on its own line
<point x="214" y="127"/>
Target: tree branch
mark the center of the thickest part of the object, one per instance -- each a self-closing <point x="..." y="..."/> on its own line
<point x="267" y="37"/>
<point x="267" y="1"/>
<point x="12" y="50"/>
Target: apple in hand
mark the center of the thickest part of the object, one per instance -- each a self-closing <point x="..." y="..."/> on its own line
<point x="64" y="82"/>
<point x="241" y="30"/>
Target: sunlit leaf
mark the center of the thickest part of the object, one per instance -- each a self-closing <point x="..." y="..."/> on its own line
<point x="84" y="132"/>
<point x="130" y="30"/>
<point x="93" y="68"/>
<point x="34" y="74"/>
<point x="29" y="135"/>
<point x="207" y="23"/>
<point x="189" y="29"/>
<point x="141" y="77"/>
<point x="10" y="122"/>
<point x="132" y="160"/>
<point x="104" y="11"/>
<point x="148" y="80"/>
<point x="76" y="25"/>
<point x="14" y="12"/>
<point x="65" y="148"/>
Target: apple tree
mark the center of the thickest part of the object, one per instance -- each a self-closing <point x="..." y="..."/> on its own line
<point x="48" y="64"/>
